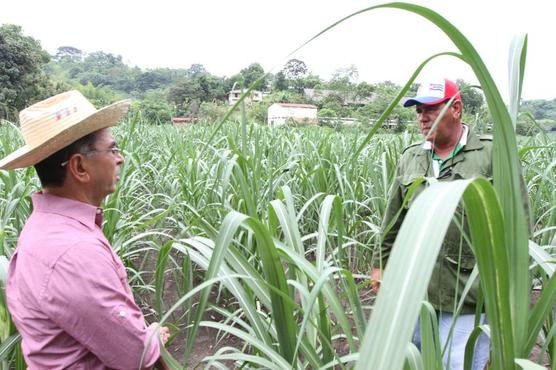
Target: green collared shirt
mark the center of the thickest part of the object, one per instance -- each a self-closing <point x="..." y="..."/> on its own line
<point x="439" y="163"/>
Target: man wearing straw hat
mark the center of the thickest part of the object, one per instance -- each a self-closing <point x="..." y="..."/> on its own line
<point x="67" y="290"/>
<point x="451" y="150"/>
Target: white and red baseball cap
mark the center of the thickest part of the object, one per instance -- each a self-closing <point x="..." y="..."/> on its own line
<point x="434" y="92"/>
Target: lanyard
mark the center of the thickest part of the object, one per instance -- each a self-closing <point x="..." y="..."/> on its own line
<point x="437" y="162"/>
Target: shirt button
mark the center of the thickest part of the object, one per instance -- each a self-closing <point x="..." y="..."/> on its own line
<point x="122" y="313"/>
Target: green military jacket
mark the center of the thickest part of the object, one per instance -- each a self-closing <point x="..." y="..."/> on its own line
<point x="456" y="260"/>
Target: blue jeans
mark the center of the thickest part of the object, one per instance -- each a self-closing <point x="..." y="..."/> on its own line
<point x="455" y="353"/>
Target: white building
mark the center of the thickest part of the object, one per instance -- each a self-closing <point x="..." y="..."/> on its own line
<point x="282" y="113"/>
<point x="235" y="94"/>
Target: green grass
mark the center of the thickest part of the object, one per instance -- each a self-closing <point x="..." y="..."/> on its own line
<point x="317" y="209"/>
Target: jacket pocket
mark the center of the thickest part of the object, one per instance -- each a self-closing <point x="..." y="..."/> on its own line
<point x="466" y="262"/>
<point x="461" y="171"/>
<point x="406" y="181"/>
<point x="459" y="254"/>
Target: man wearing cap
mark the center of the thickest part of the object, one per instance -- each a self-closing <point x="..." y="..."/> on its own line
<point x="450" y="151"/>
<point x="67" y="290"/>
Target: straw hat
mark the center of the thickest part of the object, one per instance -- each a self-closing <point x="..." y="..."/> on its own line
<point x="56" y="122"/>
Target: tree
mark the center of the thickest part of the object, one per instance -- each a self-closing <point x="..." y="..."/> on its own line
<point x="343" y="82"/>
<point x="251" y="74"/>
<point x="335" y="103"/>
<point x="541" y="109"/>
<point x="94" y="78"/>
<point x="472" y="99"/>
<point x="351" y="74"/>
<point x="155" y="108"/>
<point x="213" y="88"/>
<point x="105" y="69"/>
<point x="311" y="81"/>
<point x="326" y="113"/>
<point x="196" y="70"/>
<point x="152" y="79"/>
<point x="184" y="93"/>
<point x="342" y="86"/>
<point x="285" y="97"/>
<point x="100" y="61"/>
<point x="99" y="96"/>
<point x="280" y="83"/>
<point x="294" y="71"/>
<point x="385" y="92"/>
<point x="68" y="54"/>
<point x="364" y="90"/>
<point x="22" y="80"/>
<point x="196" y="87"/>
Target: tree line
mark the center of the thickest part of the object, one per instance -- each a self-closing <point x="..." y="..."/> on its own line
<point x="28" y="74"/>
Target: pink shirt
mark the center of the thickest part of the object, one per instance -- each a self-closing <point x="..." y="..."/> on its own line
<point x="68" y="293"/>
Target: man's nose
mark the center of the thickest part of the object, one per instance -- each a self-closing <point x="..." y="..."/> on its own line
<point x="120" y="159"/>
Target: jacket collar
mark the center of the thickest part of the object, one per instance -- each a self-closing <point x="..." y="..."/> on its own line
<point x="473" y="143"/>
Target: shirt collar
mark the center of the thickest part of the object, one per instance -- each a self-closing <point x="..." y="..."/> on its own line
<point x="85" y="213"/>
<point x="427" y="145"/>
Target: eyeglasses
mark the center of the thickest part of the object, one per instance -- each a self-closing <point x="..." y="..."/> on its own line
<point x="114" y="150"/>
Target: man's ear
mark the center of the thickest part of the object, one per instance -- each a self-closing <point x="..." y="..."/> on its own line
<point x="457" y="105"/>
<point x="78" y="168"/>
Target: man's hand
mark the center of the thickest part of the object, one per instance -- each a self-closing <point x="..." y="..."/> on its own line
<point x="163" y="331"/>
<point x="376" y="279"/>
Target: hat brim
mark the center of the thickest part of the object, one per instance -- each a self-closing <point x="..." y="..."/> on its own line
<point x="426" y="100"/>
<point x="28" y="156"/>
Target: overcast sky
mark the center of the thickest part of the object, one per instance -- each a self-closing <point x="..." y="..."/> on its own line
<point x="226" y="36"/>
